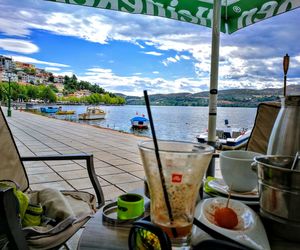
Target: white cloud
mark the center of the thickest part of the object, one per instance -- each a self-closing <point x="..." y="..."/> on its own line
<point x="11" y="28"/>
<point x="135" y="84"/>
<point x="155" y="72"/>
<point x="67" y="73"/>
<point x="138" y="44"/>
<point x="250" y="57"/>
<point x="169" y="60"/>
<point x="90" y="28"/>
<point x="52" y="69"/>
<point x="99" y="70"/>
<point x="20" y="46"/>
<point x="35" y="61"/>
<point x="185" y="57"/>
<point x="153" y="53"/>
<point x="175" y="59"/>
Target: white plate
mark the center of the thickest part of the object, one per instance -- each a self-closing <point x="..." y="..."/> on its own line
<point x="220" y="186"/>
<point x="247" y="202"/>
<point x="249" y="231"/>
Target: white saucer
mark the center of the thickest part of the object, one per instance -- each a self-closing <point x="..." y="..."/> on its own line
<point x="249" y="231"/>
<point x="250" y="202"/>
<point x="220" y="186"/>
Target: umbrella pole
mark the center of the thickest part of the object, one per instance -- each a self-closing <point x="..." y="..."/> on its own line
<point x="214" y="75"/>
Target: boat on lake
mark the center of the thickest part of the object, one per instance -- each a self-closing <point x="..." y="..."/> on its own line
<point x="140" y="122"/>
<point x="65" y="112"/>
<point x="228" y="137"/>
<point x="92" y="113"/>
<point x="49" y="110"/>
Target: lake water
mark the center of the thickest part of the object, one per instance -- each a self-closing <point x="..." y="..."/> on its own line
<point x="171" y="122"/>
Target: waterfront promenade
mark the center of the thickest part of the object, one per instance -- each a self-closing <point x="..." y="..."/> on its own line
<point x="116" y="156"/>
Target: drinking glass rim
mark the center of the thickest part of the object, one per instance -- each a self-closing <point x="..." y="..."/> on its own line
<point x="251" y="154"/>
<point x="203" y="148"/>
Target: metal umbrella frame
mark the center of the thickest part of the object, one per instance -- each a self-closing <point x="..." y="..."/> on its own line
<point x="225" y="16"/>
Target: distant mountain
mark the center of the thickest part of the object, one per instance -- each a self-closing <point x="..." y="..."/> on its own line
<point x="226" y="98"/>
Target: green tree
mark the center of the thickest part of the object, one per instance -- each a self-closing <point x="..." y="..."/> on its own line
<point x="51" y="77"/>
<point x="47" y="94"/>
<point x="71" y="84"/>
<point x="74" y="99"/>
<point x="106" y="98"/>
<point x="3" y="91"/>
<point x="29" y="71"/>
<point x="32" y="92"/>
<point x="74" y="78"/>
<point x="22" y="93"/>
<point x="121" y="100"/>
<point x="53" y="88"/>
<point x="66" y="78"/>
<point x="15" y="91"/>
<point x="95" y="88"/>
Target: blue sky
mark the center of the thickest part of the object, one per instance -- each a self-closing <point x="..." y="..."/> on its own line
<point x="128" y="53"/>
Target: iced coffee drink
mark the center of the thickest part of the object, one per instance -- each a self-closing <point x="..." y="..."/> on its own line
<point x="184" y="166"/>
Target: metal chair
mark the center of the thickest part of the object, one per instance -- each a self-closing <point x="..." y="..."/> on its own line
<point x="258" y="141"/>
<point x="12" y="169"/>
<point x="264" y="121"/>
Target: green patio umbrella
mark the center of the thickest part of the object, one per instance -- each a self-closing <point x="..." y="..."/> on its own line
<point x="226" y="16"/>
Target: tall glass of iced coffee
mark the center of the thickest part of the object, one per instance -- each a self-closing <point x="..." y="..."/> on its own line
<point x="183" y="167"/>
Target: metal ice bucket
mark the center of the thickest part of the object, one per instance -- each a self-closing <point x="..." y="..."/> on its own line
<point x="279" y="191"/>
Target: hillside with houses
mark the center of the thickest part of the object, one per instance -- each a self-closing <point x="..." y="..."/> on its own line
<point x="29" y="83"/>
<point x="26" y="73"/>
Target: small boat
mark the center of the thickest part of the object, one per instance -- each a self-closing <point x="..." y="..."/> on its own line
<point x="49" y="110"/>
<point x="139" y="122"/>
<point x="92" y="113"/>
<point x="65" y="112"/>
<point x="228" y="138"/>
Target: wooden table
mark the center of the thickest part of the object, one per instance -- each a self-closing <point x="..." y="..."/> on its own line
<point x="102" y="235"/>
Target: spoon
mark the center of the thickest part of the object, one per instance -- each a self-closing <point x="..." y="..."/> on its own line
<point x="295" y="161"/>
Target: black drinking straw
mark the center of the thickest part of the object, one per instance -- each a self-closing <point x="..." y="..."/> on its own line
<point x="163" y="181"/>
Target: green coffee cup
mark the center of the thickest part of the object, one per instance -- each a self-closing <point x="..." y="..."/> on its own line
<point x="130" y="206"/>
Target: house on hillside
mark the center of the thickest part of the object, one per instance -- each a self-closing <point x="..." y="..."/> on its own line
<point x="22" y="77"/>
<point x="59" y="86"/>
<point x="7" y="64"/>
<point x="24" y="66"/>
<point x="4" y="76"/>
<point x="82" y="93"/>
<point x="32" y="79"/>
<point x="42" y="78"/>
<point x="59" y="79"/>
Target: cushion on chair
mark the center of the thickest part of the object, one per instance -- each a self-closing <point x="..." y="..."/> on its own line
<point x="67" y="212"/>
<point x="265" y="118"/>
<point x="70" y="209"/>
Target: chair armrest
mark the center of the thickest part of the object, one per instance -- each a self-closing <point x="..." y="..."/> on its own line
<point x="10" y="221"/>
<point x="89" y="164"/>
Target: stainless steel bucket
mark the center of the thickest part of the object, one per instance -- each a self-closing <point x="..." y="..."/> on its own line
<point x="279" y="191"/>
